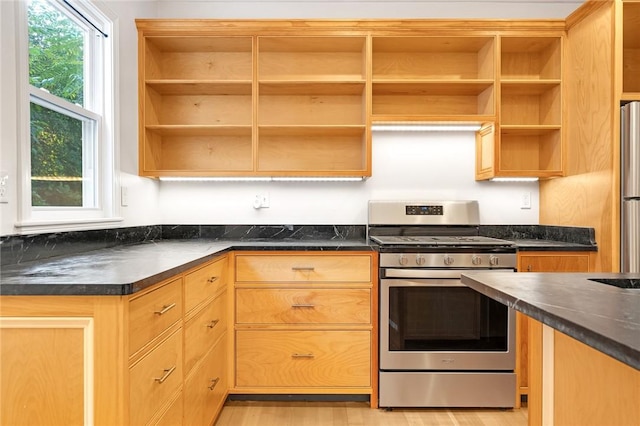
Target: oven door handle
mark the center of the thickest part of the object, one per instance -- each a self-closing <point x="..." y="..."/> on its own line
<point x="431" y="282"/>
<point x="421" y="273"/>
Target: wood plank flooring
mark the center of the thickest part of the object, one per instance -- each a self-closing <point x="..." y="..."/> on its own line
<point x="301" y="413"/>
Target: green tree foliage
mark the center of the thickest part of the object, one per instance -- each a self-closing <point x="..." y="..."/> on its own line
<point x="56" y="65"/>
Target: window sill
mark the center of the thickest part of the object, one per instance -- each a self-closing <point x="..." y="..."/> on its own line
<point x="32" y="227"/>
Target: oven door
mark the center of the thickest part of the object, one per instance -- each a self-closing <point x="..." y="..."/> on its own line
<point x="437" y="323"/>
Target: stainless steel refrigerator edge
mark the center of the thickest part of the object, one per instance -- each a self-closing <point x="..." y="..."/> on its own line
<point x="630" y="188"/>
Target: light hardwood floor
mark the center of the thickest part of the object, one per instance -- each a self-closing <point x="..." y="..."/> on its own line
<point x="269" y="413"/>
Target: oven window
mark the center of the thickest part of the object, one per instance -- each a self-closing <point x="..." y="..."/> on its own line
<point x="445" y="319"/>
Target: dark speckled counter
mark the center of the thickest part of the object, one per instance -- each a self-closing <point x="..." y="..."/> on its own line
<point x="602" y="316"/>
<point x="125" y="269"/>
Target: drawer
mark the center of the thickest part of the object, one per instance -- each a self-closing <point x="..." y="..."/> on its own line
<point x="303" y="268"/>
<point x="206" y="390"/>
<point x="204" y="283"/>
<point x="173" y="415"/>
<point x="152" y="313"/>
<point x="155" y="379"/>
<point x="302" y="306"/>
<point x="203" y="330"/>
<point x="283" y="358"/>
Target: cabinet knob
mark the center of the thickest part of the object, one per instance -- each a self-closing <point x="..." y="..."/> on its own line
<point x="213" y="323"/>
<point x="212" y="279"/>
<point x="296" y="355"/>
<point x="528" y="268"/>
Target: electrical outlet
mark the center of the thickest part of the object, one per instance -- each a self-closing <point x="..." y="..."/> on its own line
<point x="261" y="201"/>
<point x="124" y="196"/>
<point x="4" y="187"/>
<point x="525" y="201"/>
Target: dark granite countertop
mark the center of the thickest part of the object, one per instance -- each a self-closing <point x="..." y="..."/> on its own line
<point x="550" y="245"/>
<point x="126" y="269"/>
<point x="602" y="316"/>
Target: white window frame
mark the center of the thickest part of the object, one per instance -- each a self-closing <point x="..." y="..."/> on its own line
<point x="102" y="210"/>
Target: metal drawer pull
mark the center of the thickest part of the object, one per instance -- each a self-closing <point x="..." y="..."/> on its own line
<point x="213" y="323"/>
<point x="303" y="305"/>
<point x="214" y="382"/>
<point x="166" y="374"/>
<point x="165" y="309"/>
<point x="302" y="355"/>
<point x="303" y="268"/>
<point x="212" y="279"/>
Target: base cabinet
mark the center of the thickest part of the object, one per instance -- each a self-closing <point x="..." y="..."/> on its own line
<point x="305" y="323"/>
<point x="550" y="261"/>
<point x="116" y="360"/>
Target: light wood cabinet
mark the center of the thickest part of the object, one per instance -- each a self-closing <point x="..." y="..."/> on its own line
<point x="631" y="50"/>
<point x="117" y="360"/>
<point x="433" y="78"/>
<point x="529" y="132"/>
<point x="305" y="323"/>
<point x="526" y="345"/>
<point x="214" y="104"/>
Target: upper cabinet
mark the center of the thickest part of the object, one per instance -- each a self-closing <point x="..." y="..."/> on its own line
<point x="631" y="51"/>
<point x="196" y="105"/>
<point x="312" y="117"/>
<point x="298" y="98"/>
<point x="433" y="79"/>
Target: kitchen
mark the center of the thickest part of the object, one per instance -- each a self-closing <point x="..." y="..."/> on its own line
<point x="327" y="203"/>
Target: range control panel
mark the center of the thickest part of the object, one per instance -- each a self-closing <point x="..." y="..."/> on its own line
<point x="424" y="210"/>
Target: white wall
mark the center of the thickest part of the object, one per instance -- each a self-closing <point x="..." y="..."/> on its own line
<point x="442" y="165"/>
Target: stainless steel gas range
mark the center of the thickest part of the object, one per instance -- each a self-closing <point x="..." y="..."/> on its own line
<point x="442" y="344"/>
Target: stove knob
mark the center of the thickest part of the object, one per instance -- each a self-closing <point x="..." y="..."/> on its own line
<point x="476" y="260"/>
<point x="493" y="260"/>
<point x="420" y="260"/>
<point x="403" y="260"/>
<point x="448" y="260"/>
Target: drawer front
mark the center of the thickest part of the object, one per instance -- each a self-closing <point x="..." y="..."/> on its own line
<point x="303" y="268"/>
<point x="155" y="379"/>
<point x="301" y="306"/>
<point x="173" y="416"/>
<point x="282" y="358"/>
<point x="152" y="313"/>
<point x="203" y="283"/>
<point x="203" y="330"/>
<point x="205" y="391"/>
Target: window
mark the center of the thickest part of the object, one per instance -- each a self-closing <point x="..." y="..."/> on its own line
<point x="68" y="157"/>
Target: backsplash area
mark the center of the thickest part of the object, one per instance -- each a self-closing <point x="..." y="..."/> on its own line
<point x="24" y="248"/>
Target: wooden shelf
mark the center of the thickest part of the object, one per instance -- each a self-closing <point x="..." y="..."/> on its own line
<point x="200" y="87"/>
<point x="631" y="50"/>
<point x="426" y="77"/>
<point x="530" y="58"/>
<point x="530" y="152"/>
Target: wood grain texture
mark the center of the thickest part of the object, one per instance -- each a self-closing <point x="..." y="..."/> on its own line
<point x="586" y="196"/>
<point x="303" y="306"/>
<point x="591" y="388"/>
<point x="286" y="413"/>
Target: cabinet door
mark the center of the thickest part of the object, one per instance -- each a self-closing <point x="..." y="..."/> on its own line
<point x="553" y="262"/>
<point x="539" y="262"/>
<point x="57" y="352"/>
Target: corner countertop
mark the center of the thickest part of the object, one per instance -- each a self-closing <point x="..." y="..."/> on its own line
<point x="602" y="316"/>
<point x="129" y="268"/>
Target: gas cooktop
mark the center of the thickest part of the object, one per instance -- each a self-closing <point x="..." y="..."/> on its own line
<point x="440" y="240"/>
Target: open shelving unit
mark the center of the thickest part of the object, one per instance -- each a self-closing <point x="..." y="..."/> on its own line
<point x="530" y="125"/>
<point x="631" y="51"/>
<point x="425" y="78"/>
<point x="312" y="109"/>
<point x="197" y="105"/>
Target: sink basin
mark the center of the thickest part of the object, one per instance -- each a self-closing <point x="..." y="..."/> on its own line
<point x="619" y="282"/>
